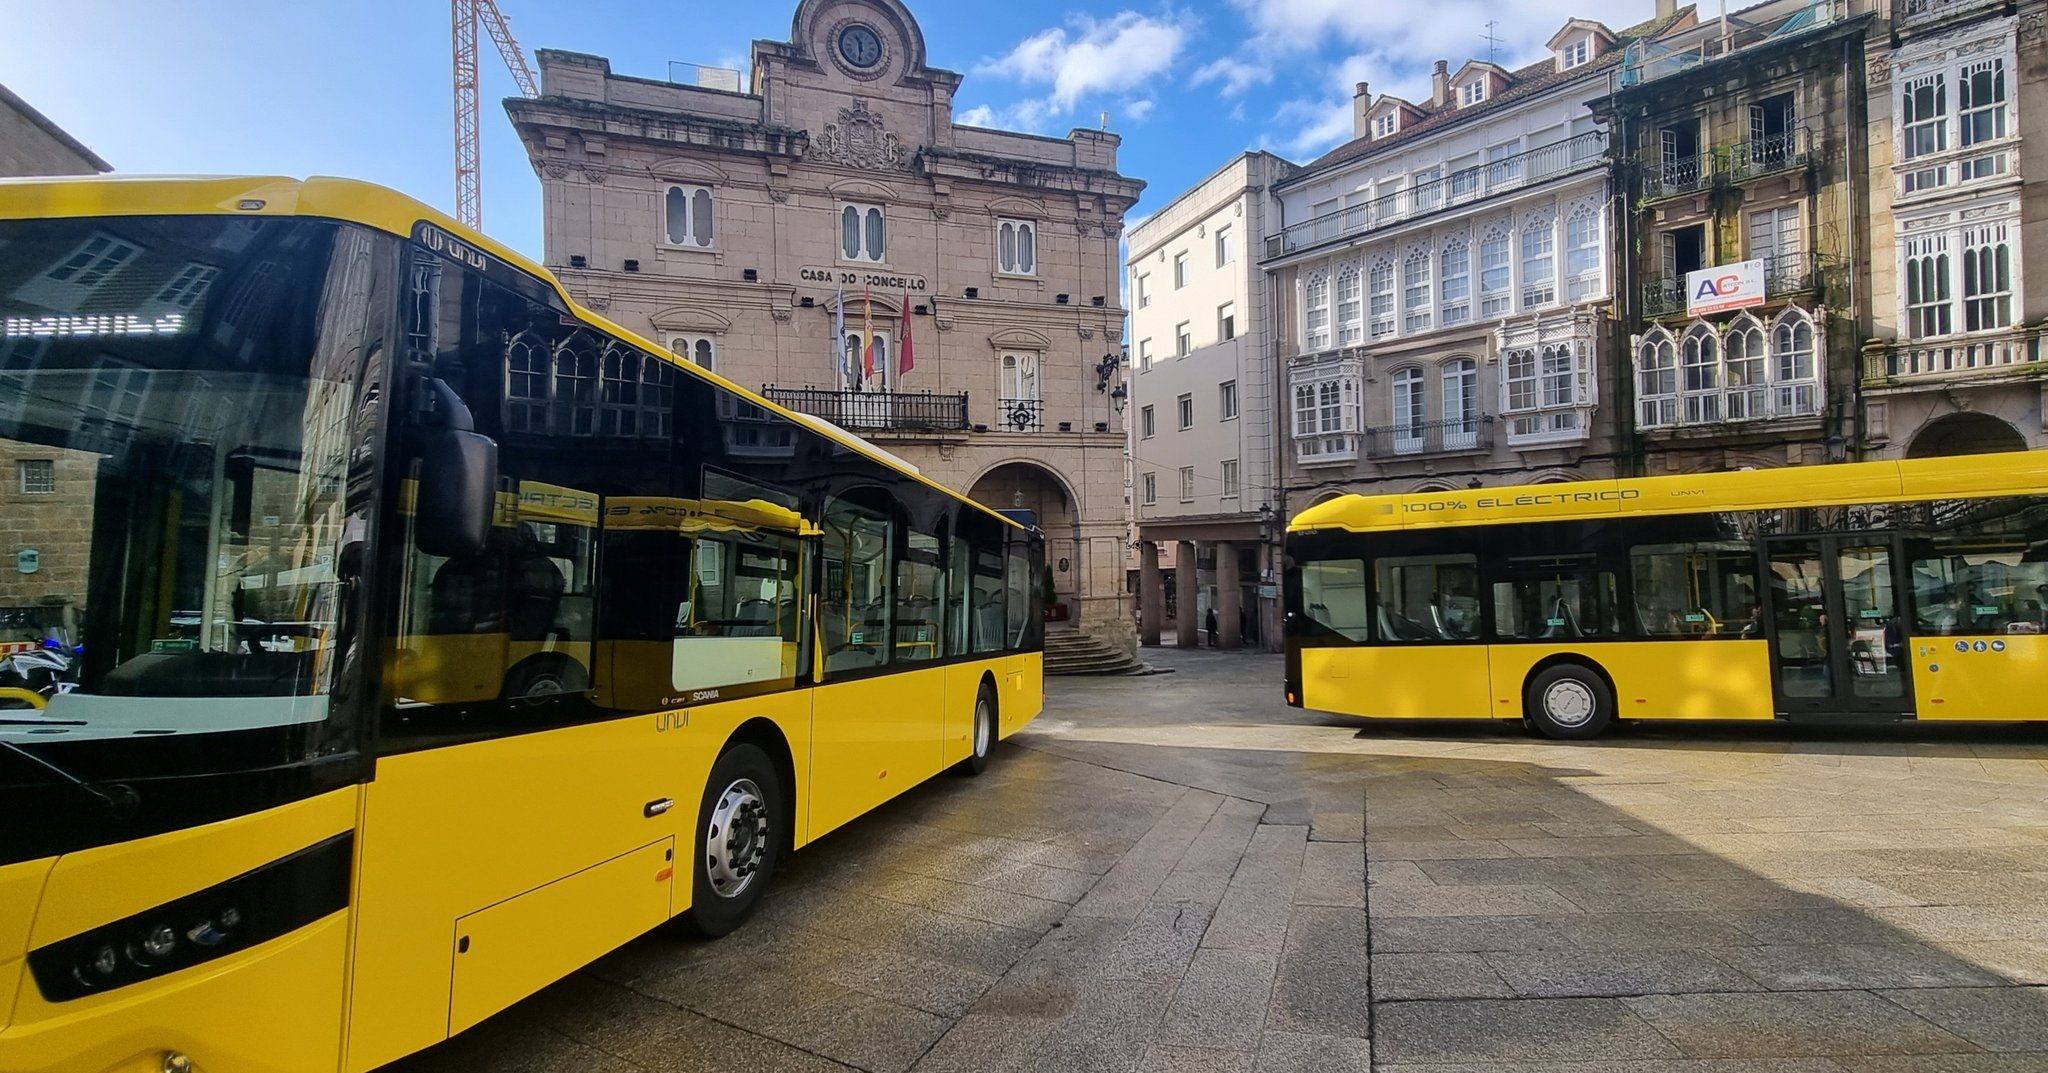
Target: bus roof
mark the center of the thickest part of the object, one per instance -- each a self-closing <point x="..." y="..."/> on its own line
<point x="370" y="205"/>
<point x="1974" y="476"/>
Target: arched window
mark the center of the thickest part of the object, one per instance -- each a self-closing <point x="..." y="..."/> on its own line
<point x="1454" y="283"/>
<point x="1417" y="309"/>
<point x="1461" y="404"/>
<point x="1793" y="370"/>
<point x="1411" y="416"/>
<point x="1656" y="379"/>
<point x="526" y="383"/>
<point x="1520" y="379"/>
<point x="1350" y="316"/>
<point x="576" y="385"/>
<point x="1748" y="391"/>
<point x="1315" y="304"/>
<point x="1382" y="298"/>
<point x="1699" y="366"/>
<point x="1582" y="262"/>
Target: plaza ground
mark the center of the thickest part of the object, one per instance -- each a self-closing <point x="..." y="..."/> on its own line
<point x="1179" y="873"/>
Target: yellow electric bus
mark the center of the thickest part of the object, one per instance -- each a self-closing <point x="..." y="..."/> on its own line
<point x="1872" y="591"/>
<point x="427" y="635"/>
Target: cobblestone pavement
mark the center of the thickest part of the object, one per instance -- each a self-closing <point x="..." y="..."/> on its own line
<point x="1170" y="874"/>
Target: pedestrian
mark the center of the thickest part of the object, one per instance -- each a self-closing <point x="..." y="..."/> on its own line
<point x="1212" y="628"/>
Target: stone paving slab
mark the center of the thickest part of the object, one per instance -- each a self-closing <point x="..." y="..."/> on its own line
<point x="1178" y="874"/>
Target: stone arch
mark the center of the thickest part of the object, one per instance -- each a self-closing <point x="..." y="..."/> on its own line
<point x="864" y="190"/>
<point x="1965" y="433"/>
<point x="1032" y="484"/>
<point x="689" y="169"/>
<point x="1018" y="339"/>
<point x="691" y="319"/>
<point x="891" y="13"/>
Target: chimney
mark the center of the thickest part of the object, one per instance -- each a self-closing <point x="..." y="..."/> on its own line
<point x="1361" y="103"/>
<point x="1440" y="84"/>
<point x="1667" y="8"/>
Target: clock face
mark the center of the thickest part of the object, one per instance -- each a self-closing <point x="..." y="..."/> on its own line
<point x="859" y="46"/>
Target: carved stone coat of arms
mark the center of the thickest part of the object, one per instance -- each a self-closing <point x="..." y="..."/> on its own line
<point x="860" y="140"/>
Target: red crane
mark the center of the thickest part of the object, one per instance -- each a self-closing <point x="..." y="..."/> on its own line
<point x="469" y="178"/>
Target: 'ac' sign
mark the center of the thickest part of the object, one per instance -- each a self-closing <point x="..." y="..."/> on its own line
<point x="1717" y="290"/>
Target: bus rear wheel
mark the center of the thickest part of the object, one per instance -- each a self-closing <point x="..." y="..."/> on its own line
<point x="740" y="826"/>
<point x="985" y="732"/>
<point x="1568" y="702"/>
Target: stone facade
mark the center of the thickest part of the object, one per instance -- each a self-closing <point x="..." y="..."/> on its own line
<point x="739" y="228"/>
<point x="1201" y="332"/>
<point x="32" y="145"/>
<point x="1959" y="365"/>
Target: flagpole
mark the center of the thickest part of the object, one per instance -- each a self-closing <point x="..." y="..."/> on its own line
<point x="840" y="358"/>
<point x="867" y="330"/>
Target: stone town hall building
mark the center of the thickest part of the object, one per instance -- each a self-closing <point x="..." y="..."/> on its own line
<point x="740" y="229"/>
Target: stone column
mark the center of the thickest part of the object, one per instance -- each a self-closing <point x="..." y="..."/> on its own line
<point x="1229" y="597"/>
<point x="1186" y="620"/>
<point x="1151" y="594"/>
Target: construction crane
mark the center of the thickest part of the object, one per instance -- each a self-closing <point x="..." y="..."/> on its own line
<point x="469" y="177"/>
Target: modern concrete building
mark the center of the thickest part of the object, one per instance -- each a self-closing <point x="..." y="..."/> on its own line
<point x="1443" y="281"/>
<point x="1204" y="459"/>
<point x="1739" y="142"/>
<point x="1955" y="360"/>
<point x="32" y="145"/>
<point x="770" y="234"/>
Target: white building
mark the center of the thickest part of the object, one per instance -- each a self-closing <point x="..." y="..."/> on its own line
<point x="1443" y="282"/>
<point x="1204" y="458"/>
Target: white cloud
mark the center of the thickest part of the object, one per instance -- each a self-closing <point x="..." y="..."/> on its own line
<point x="1309" y="127"/>
<point x="1445" y="29"/>
<point x="1235" y="75"/>
<point x="1027" y="116"/>
<point x="1139" y="110"/>
<point x="980" y="115"/>
<point x="1094" y="56"/>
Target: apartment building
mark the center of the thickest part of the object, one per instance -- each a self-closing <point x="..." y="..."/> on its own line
<point x="1202" y="387"/>
<point x="1738" y="141"/>
<point x="950" y="292"/>
<point x="1955" y="361"/>
<point x="1443" y="281"/>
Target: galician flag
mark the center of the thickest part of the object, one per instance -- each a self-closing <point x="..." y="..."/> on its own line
<point x="906" y="360"/>
<point x="840" y="355"/>
<point x="867" y="333"/>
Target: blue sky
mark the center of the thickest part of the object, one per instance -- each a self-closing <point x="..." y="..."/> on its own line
<point x="362" y="89"/>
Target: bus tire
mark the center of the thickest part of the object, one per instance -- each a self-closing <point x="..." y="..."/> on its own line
<point x="986" y="731"/>
<point x="545" y="677"/>
<point x="1569" y="702"/>
<point x="738" y="840"/>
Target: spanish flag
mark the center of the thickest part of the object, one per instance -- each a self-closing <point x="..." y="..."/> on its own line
<point x="905" y="360"/>
<point x="867" y="333"/>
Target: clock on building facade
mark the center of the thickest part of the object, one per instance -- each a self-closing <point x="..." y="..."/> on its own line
<point x="860" y="46"/>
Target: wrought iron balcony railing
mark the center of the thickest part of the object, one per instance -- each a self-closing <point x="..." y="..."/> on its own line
<point x="2015" y="351"/>
<point x="1020" y="415"/>
<point x="1462" y="187"/>
<point x="1473" y="433"/>
<point x="1728" y="165"/>
<point x="877" y="410"/>
<point x="1788" y="273"/>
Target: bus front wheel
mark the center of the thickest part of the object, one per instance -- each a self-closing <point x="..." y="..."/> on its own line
<point x="985" y="732"/>
<point x="739" y="840"/>
<point x="1569" y="702"/>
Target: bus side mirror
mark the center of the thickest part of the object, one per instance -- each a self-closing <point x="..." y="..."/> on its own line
<point x="458" y="494"/>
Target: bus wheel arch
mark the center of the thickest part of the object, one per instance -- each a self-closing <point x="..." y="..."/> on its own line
<point x="764" y="734"/>
<point x="1581" y="691"/>
<point x="982" y="745"/>
<point x="544" y="675"/>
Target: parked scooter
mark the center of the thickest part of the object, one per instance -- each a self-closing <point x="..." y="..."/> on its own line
<point x="46" y="671"/>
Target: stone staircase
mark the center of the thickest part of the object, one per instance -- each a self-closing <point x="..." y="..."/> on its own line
<point x="1073" y="653"/>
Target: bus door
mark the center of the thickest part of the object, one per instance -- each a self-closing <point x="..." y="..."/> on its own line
<point x="1837" y="626"/>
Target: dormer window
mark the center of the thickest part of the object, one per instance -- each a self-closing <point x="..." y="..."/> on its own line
<point x="1472" y="93"/>
<point x="1575" y="54"/>
<point x="1386" y="125"/>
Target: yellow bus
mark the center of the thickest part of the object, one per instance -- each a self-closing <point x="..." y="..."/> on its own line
<point x="430" y="635"/>
<point x="1873" y="591"/>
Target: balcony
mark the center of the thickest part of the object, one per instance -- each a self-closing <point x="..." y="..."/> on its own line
<point x="1647" y="60"/>
<point x="877" y="410"/>
<point x="2018" y="353"/>
<point x="1429" y="438"/>
<point x="1458" y="189"/>
<point x="1921" y="14"/>
<point x="1790" y="273"/>
<point x="1729" y="166"/>
<point x="1020" y="415"/>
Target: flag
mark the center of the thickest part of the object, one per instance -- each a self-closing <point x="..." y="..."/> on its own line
<point x="905" y="360"/>
<point x="867" y="333"/>
<point x="841" y="357"/>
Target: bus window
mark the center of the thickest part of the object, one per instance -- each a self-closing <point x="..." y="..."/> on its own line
<point x="1333" y="595"/>
<point x="738" y="623"/>
<point x="1428" y="598"/>
<point x="987" y="595"/>
<point x="1705" y="589"/>
<point x="855" y="611"/>
<point x="1984" y="575"/>
<point x="920" y="598"/>
<point x="1017" y="581"/>
<point x="1551" y="598"/>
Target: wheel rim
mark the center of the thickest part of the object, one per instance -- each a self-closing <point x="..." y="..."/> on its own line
<point x="1568" y="703"/>
<point x="982" y="729"/>
<point x="736" y="840"/>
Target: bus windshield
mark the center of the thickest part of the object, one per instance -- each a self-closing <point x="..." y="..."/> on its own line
<point x="177" y="400"/>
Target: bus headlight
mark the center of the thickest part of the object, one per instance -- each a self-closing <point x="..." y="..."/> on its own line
<point x="258" y="905"/>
